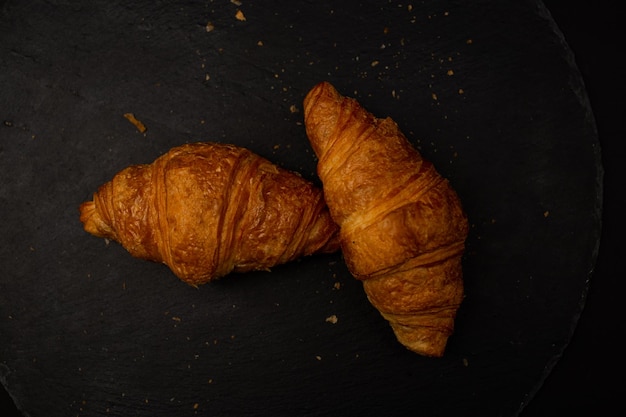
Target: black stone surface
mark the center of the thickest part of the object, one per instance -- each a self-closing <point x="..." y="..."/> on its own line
<point x="489" y="91"/>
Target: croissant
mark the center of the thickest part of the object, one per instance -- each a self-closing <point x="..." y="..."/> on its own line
<point x="402" y="227"/>
<point x="209" y="209"/>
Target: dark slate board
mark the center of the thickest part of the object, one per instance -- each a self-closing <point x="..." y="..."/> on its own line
<point x="487" y="90"/>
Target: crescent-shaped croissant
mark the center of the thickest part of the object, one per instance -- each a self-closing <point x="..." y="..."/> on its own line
<point x="209" y="209"/>
<point x="403" y="229"/>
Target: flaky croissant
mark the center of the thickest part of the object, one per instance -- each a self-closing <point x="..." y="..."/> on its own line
<point x="208" y="209"/>
<point x="403" y="229"/>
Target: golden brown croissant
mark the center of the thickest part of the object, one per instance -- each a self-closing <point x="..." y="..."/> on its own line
<point x="403" y="229"/>
<point x="208" y="209"/>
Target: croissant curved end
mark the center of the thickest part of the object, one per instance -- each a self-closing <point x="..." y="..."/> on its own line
<point x="93" y="222"/>
<point x="424" y="341"/>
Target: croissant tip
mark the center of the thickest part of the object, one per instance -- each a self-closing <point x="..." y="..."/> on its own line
<point x="427" y="350"/>
<point x="87" y="210"/>
<point x="323" y="87"/>
<point x="422" y="340"/>
<point x="322" y="84"/>
<point x="93" y="222"/>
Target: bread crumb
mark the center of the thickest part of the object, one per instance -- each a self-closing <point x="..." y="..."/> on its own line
<point x="546" y="213"/>
<point x="131" y="118"/>
<point x="240" y="16"/>
<point x="318" y="357"/>
<point x="293" y="108"/>
<point x="332" y="319"/>
<point x="209" y="27"/>
<point x="236" y="2"/>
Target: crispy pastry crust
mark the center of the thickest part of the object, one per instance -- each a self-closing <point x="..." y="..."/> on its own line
<point x="403" y="229"/>
<point x="208" y="209"/>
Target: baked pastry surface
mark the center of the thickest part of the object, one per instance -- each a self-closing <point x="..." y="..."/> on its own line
<point x="208" y="209"/>
<point x="403" y="228"/>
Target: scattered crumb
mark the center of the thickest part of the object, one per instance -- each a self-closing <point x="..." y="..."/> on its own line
<point x="450" y="72"/>
<point x="293" y="108"/>
<point x="259" y="43"/>
<point x="469" y="42"/>
<point x="318" y="357"/>
<point x="176" y="318"/>
<point x="337" y="285"/>
<point x="434" y="96"/>
<point x="240" y="16"/>
<point x="236" y="2"/>
<point x="209" y="27"/>
<point x="465" y="362"/>
<point x="131" y="118"/>
<point x="546" y="213"/>
<point x="332" y="319"/>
